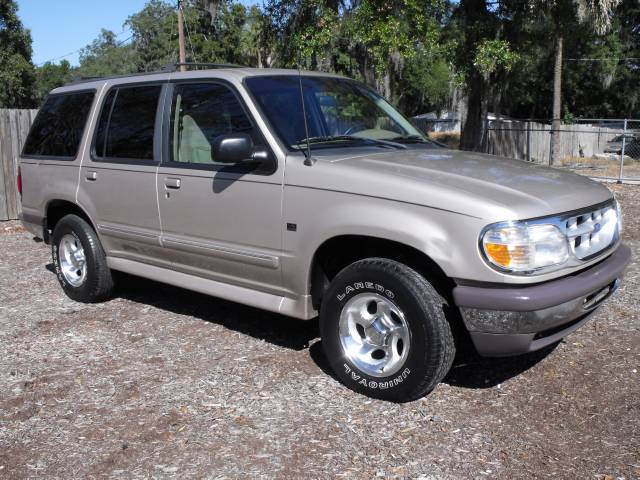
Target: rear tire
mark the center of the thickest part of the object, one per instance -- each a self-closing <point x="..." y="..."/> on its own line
<point x="80" y="262"/>
<point x="384" y="330"/>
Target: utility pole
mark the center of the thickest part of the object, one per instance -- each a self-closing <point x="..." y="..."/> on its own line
<point x="554" y="155"/>
<point x="183" y="56"/>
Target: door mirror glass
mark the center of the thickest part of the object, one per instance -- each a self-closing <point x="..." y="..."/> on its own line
<point x="232" y="148"/>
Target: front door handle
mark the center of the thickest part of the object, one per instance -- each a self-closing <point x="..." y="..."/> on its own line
<point x="92" y="176"/>
<point x="172" y="183"/>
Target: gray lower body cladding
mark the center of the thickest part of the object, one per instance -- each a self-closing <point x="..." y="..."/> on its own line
<point x="512" y="321"/>
<point x="34" y="224"/>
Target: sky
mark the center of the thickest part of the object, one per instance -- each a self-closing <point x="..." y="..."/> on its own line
<point x="64" y="26"/>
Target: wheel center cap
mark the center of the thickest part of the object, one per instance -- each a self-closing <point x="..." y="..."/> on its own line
<point x="78" y="256"/>
<point x="378" y="331"/>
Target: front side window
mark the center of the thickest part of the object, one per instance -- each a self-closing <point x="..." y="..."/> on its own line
<point x="127" y="123"/>
<point x="58" y="128"/>
<point x="339" y="112"/>
<point x="201" y="113"/>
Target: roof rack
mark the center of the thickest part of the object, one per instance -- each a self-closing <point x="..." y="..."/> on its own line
<point x="108" y="77"/>
<point x="170" y="67"/>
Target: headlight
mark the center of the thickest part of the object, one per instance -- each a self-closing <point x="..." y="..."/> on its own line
<point x="518" y="247"/>
<point x="619" y="215"/>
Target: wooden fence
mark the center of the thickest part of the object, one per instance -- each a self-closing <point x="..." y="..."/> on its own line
<point x="14" y="126"/>
<point x="532" y="141"/>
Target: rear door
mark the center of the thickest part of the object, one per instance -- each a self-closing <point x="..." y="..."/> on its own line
<point x="117" y="183"/>
<point x="219" y="221"/>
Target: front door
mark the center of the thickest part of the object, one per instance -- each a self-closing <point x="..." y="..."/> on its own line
<point x="219" y="221"/>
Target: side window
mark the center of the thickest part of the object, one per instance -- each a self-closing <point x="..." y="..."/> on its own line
<point x="58" y="128"/>
<point x="202" y="112"/>
<point x="127" y="123"/>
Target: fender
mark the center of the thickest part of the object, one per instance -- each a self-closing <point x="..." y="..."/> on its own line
<point x="336" y="214"/>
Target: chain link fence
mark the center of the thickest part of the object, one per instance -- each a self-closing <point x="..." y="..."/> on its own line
<point x="605" y="149"/>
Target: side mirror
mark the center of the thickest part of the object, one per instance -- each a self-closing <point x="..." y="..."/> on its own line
<point x="232" y="148"/>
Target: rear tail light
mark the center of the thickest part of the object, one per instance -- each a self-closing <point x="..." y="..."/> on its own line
<point x="19" y="181"/>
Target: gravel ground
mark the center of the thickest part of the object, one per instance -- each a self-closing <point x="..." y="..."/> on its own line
<point x="161" y="382"/>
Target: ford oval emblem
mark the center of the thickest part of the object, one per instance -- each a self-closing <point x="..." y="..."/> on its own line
<point x="596" y="228"/>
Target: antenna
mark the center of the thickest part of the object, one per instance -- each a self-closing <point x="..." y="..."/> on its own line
<point x="308" y="161"/>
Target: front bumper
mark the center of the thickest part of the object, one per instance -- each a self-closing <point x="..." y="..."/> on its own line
<point x="509" y="321"/>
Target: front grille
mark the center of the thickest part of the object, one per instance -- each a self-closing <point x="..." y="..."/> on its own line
<point x="591" y="232"/>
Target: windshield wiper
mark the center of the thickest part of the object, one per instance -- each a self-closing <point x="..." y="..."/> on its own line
<point x="409" y="139"/>
<point x="348" y="138"/>
<point x="328" y="138"/>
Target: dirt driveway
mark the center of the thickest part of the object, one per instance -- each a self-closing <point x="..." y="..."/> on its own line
<point x="162" y="382"/>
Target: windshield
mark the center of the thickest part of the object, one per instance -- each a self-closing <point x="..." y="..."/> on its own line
<point x="340" y="112"/>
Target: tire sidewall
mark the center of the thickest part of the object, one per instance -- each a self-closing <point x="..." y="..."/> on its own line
<point x="345" y="286"/>
<point x="69" y="226"/>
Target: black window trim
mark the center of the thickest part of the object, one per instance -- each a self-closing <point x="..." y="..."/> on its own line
<point x="157" y="132"/>
<point x="84" y="129"/>
<point x="167" y="160"/>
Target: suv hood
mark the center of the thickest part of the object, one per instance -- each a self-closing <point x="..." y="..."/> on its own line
<point x="474" y="184"/>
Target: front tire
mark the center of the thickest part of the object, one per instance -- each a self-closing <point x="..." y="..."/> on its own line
<point x="384" y="330"/>
<point x="80" y="261"/>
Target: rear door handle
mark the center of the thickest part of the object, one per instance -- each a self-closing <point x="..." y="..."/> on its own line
<point x="172" y="183"/>
<point x="92" y="176"/>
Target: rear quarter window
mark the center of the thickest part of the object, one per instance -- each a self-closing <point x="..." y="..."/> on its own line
<point x="59" y="125"/>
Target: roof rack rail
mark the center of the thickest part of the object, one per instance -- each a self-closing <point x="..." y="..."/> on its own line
<point x="172" y="67"/>
<point x="109" y="77"/>
<point x="84" y="79"/>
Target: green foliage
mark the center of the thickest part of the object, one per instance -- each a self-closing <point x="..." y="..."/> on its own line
<point x="155" y="37"/>
<point x="106" y="56"/>
<point x="51" y="75"/>
<point x="493" y="55"/>
<point x="387" y="29"/>
<point x="377" y="41"/>
<point x="569" y="117"/>
<point x="429" y="80"/>
<point x="316" y="40"/>
<point x="415" y="52"/>
<point x="17" y="76"/>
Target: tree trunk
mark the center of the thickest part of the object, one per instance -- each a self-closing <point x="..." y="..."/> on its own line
<point x="472" y="132"/>
<point x="557" y="102"/>
<point x="477" y="26"/>
<point x="366" y="70"/>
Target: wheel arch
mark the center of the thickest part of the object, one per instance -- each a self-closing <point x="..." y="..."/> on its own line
<point x="339" y="251"/>
<point x="58" y="208"/>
